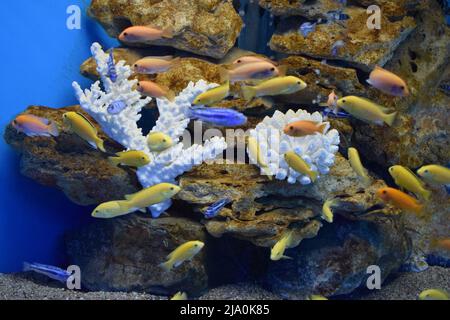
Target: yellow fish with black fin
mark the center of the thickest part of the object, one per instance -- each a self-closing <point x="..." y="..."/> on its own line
<point x="406" y="179"/>
<point x="366" y="110"/>
<point x="356" y="164"/>
<point x="84" y="129"/>
<point x="131" y="158"/>
<point x="213" y="95"/>
<point x="298" y="164"/>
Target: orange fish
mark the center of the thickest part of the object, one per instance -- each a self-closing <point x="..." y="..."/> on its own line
<point x="151" y="89"/>
<point x="400" y="199"/>
<point x="304" y="128"/>
<point x="145" y="33"/>
<point x="441" y="243"/>
<point x="388" y="82"/>
<point x="34" y="126"/>
<point x="253" y="71"/>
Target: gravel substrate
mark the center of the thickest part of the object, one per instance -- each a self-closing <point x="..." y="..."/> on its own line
<point x="403" y="286"/>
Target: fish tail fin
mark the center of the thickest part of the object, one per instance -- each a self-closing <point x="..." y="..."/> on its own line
<point x="167" y="266"/>
<point x="114" y="160"/>
<point x="248" y="93"/>
<point x="175" y="62"/>
<point x="282" y="70"/>
<point x="313" y="176"/>
<point x="224" y="75"/>
<point x="100" y="145"/>
<point x="168" y="32"/>
<point x="170" y="95"/>
<point x="426" y="194"/>
<point x="323" y="127"/>
<point x="26" y="267"/>
<point x="53" y="129"/>
<point x="390" y="118"/>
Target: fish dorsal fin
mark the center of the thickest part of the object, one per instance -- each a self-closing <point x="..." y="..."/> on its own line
<point x="87" y="120"/>
<point x="131" y="196"/>
<point x="167" y="58"/>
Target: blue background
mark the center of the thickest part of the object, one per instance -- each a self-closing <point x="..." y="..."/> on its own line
<point x="40" y="59"/>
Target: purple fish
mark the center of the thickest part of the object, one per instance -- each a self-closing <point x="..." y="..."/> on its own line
<point x="112" y="72"/>
<point x="306" y="28"/>
<point x="218" y="116"/>
<point x="116" y="107"/>
<point x="54" y="273"/>
<point x="214" y="209"/>
<point x="332" y="114"/>
<point x="336" y="46"/>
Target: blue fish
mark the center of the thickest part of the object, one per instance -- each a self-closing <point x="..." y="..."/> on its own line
<point x="112" y="72"/>
<point x="445" y="86"/>
<point x="337" y="15"/>
<point x="54" y="273"/>
<point x="336" y="46"/>
<point x="218" y="116"/>
<point x="306" y="28"/>
<point x="340" y="114"/>
<point x="116" y="107"/>
<point x="214" y="209"/>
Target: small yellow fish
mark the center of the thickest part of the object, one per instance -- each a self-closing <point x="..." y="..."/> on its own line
<point x="213" y="96"/>
<point x="152" y="195"/>
<point x="277" y="252"/>
<point x="180" y="296"/>
<point x="434" y="294"/>
<point x="84" y="129"/>
<point x="366" y="110"/>
<point x="316" y="297"/>
<point x="435" y="174"/>
<point x="112" y="209"/>
<point x="158" y="141"/>
<point x="181" y="254"/>
<point x="405" y="178"/>
<point x="327" y="211"/>
<point x="255" y="152"/>
<point x="130" y="158"/>
<point x="273" y="87"/>
<point x="298" y="164"/>
<point x="355" y="162"/>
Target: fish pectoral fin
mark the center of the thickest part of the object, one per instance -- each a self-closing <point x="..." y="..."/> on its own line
<point x="93" y="144"/>
<point x="143" y="210"/>
<point x="286" y="258"/>
<point x="177" y="264"/>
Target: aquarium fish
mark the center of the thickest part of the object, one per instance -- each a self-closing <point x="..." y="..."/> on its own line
<point x="327" y="210"/>
<point x="252" y="59"/>
<point x="435" y="174"/>
<point x="183" y="253"/>
<point x="328" y="113"/>
<point x="213" y="96"/>
<point x="316" y="297"/>
<point x="388" y="82"/>
<point x="84" y="129"/>
<point x="130" y="158"/>
<point x="252" y="71"/>
<point x="274" y="87"/>
<point x="158" y="141"/>
<point x="298" y="164"/>
<point x="154" y="65"/>
<point x="112" y="72"/>
<point x="445" y="86"/>
<point x="336" y="15"/>
<point x="179" y="296"/>
<point x="218" y="116"/>
<point x="112" y="209"/>
<point x="366" y="110"/>
<point x="306" y="28"/>
<point x="52" y="272"/>
<point x="214" y="209"/>
<point x="400" y="200"/>
<point x="304" y="128"/>
<point x="33" y="126"/>
<point x="434" y="294"/>
<point x="116" y="107"/>
<point x="254" y="151"/>
<point x="152" y="195"/>
<point x="277" y="251"/>
<point x="336" y="47"/>
<point x="154" y="90"/>
<point x="332" y="101"/>
<point x="357" y="166"/>
<point x="145" y="33"/>
<point x="406" y="179"/>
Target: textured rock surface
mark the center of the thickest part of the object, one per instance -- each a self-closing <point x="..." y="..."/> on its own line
<point x="123" y="255"/>
<point x="336" y="261"/>
<point x="363" y="48"/>
<point x="206" y="27"/>
<point x="69" y="163"/>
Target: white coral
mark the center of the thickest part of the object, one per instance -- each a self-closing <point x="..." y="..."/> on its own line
<point x="317" y="150"/>
<point x="173" y="121"/>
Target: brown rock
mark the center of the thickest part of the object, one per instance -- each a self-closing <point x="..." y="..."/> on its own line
<point x="205" y="27"/>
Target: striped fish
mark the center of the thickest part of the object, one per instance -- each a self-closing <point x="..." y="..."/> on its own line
<point x="112" y="72"/>
<point x="214" y="209"/>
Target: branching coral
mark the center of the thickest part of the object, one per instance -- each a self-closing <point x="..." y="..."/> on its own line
<point x="173" y="121"/>
<point x="317" y="150"/>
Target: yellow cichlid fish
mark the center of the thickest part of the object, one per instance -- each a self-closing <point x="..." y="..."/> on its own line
<point x="277" y="252"/>
<point x="355" y="162"/>
<point x="434" y="294"/>
<point x="316" y="297"/>
<point x="406" y="179"/>
<point x="435" y="174"/>
<point x="84" y="129"/>
<point x="298" y="164"/>
<point x="213" y="96"/>
<point x="181" y="254"/>
<point x="327" y="210"/>
<point x="274" y="87"/>
<point x="366" y="110"/>
<point x="131" y="158"/>
<point x="158" y="141"/>
<point x="152" y="195"/>
<point x="180" y="296"/>
<point x="112" y="209"/>
<point x="255" y="152"/>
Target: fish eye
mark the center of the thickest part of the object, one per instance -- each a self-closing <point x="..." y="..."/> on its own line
<point x="143" y="158"/>
<point x="384" y="192"/>
<point x="138" y="84"/>
<point x="135" y="65"/>
<point x="299" y="82"/>
<point x="291" y="127"/>
<point x="272" y="69"/>
<point x="426" y="171"/>
<point x="125" y="34"/>
<point x="239" y="61"/>
<point x="164" y="140"/>
<point x="343" y="101"/>
<point x="195" y="245"/>
<point x="172" y="188"/>
<point x="402" y="87"/>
